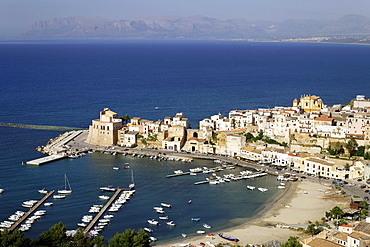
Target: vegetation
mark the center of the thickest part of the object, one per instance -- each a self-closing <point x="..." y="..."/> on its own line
<point x="251" y="138"/>
<point x="125" y="119"/>
<point x="351" y="146"/>
<point x="292" y="242"/>
<point x="56" y="237"/>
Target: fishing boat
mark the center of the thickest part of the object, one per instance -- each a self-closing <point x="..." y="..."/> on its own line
<point x="67" y="187"/>
<point x="227" y="237"/>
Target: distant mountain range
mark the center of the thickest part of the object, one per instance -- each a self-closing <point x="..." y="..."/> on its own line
<point x="197" y="27"/>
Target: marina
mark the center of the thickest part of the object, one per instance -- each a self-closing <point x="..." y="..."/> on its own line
<point x="26" y="215"/>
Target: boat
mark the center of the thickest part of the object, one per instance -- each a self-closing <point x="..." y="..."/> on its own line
<point x="189" y="201"/>
<point x="48" y="204"/>
<point x="281" y="187"/>
<point x="152" y="239"/>
<point x="82" y="224"/>
<point x="153" y="222"/>
<point x="171" y="223"/>
<point x="178" y="172"/>
<point x="132" y="184"/>
<point x="43" y="191"/>
<point x="167" y="205"/>
<point x="227" y="237"/>
<point x="1" y="190"/>
<point x="66" y="190"/>
<point x="250" y="187"/>
<point x="108" y="188"/>
<point x="195" y="219"/>
<point x="115" y="168"/>
<point x="207" y="226"/>
<point x="262" y="189"/>
<point x="148" y="229"/>
<point x="184" y="235"/>
<point x="163" y="217"/>
<point x="104" y="197"/>
<point x="59" y="196"/>
<point x="201" y="232"/>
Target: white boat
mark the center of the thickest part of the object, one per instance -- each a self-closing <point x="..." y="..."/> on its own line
<point x="1" y="190"/>
<point x="281" y="187"/>
<point x="48" y="204"/>
<point x="167" y="205"/>
<point x="104" y="197"/>
<point x="82" y="224"/>
<point x="148" y="229"/>
<point x="184" y="235"/>
<point x="201" y="232"/>
<point x="250" y="187"/>
<point x="132" y="184"/>
<point x="158" y="208"/>
<point x="108" y="188"/>
<point x="171" y="223"/>
<point x="178" y="172"/>
<point x="262" y="189"/>
<point x="163" y="217"/>
<point x="152" y="239"/>
<point x="207" y="226"/>
<point x="59" y="196"/>
<point x="43" y="191"/>
<point x="115" y="168"/>
<point x="67" y="187"/>
<point x="153" y="222"/>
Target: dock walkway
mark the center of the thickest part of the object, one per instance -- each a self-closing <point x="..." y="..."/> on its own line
<point x="25" y="216"/>
<point x="102" y="211"/>
<point x="43" y="160"/>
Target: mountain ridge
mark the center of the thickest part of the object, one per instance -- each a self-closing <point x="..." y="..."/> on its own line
<point x="194" y="27"/>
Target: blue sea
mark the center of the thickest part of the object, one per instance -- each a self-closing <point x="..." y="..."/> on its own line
<point x="68" y="83"/>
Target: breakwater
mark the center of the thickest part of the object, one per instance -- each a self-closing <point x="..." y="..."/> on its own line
<point x="39" y="127"/>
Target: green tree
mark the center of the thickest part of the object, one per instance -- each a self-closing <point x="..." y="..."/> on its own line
<point x="125" y="119"/>
<point x="347" y="167"/>
<point x="337" y="212"/>
<point x="98" y="241"/>
<point x="130" y="238"/>
<point x="292" y="242"/>
<point x="55" y="236"/>
<point x="15" y="239"/>
<point x="360" y="151"/>
<point x="248" y="137"/>
<point x="313" y="229"/>
<point x="351" y="146"/>
<point x="80" y="240"/>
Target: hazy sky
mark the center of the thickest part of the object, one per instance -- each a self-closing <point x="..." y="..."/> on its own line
<point x="17" y="15"/>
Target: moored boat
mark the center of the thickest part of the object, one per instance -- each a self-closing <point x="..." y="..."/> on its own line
<point x="67" y="187"/>
<point x="227" y="237"/>
<point x="108" y="188"/>
<point x="207" y="226"/>
<point x="153" y="222"/>
<point x="250" y="187"/>
<point x="167" y="205"/>
<point x="43" y="191"/>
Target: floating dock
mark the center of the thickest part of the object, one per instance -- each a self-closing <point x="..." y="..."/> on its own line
<point x="25" y="216"/>
<point x="178" y="174"/>
<point x="45" y="160"/>
<point x="102" y="211"/>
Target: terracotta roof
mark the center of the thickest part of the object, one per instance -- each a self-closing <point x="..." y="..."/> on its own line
<point x="319" y="242"/>
<point x="324" y="119"/>
<point x="248" y="149"/>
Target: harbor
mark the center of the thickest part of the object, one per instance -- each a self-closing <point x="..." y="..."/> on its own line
<point x="33" y="209"/>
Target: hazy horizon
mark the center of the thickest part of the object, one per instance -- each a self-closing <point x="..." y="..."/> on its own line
<point x="17" y="15"/>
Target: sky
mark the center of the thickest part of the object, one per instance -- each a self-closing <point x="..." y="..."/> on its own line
<point x="17" y="15"/>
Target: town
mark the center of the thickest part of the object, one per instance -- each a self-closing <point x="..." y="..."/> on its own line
<point x="310" y="137"/>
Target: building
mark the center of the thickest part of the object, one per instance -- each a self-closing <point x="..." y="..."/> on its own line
<point x="309" y="103"/>
<point x="104" y="131"/>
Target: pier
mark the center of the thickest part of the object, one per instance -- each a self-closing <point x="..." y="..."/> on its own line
<point x="38" y="204"/>
<point x="102" y="211"/>
<point x="178" y="174"/>
<point x="45" y="160"/>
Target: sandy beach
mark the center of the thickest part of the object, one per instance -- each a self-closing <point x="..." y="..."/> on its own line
<point x="304" y="201"/>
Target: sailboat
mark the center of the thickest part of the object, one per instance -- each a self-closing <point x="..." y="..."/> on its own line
<point x="132" y="184"/>
<point x="66" y="183"/>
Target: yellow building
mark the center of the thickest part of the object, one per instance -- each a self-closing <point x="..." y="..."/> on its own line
<point x="104" y="131"/>
<point x="309" y="103"/>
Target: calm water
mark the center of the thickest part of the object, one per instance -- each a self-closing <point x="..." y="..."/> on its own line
<point x="68" y="84"/>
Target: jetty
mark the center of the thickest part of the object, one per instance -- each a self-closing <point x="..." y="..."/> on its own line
<point x="44" y="160"/>
<point x="25" y="216"/>
<point x="102" y="211"/>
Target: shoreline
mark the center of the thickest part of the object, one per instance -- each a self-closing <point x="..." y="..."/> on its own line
<point x="303" y="201"/>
